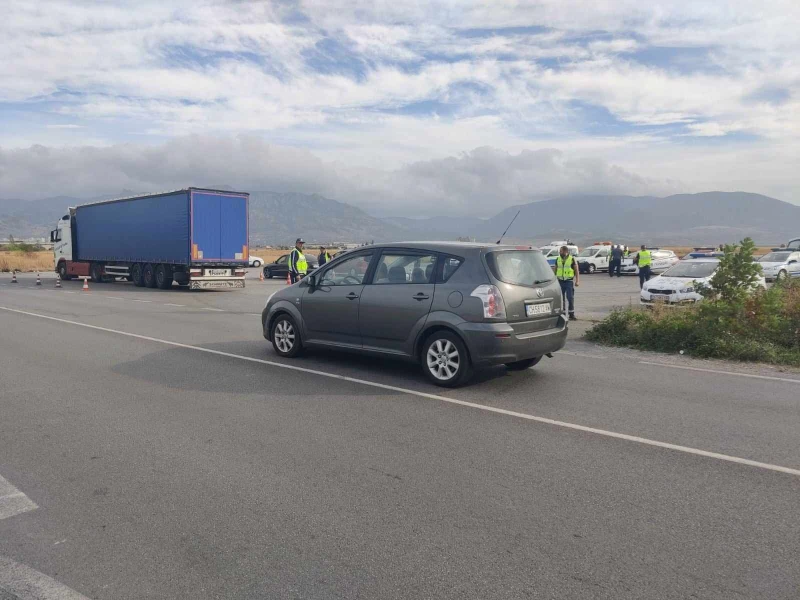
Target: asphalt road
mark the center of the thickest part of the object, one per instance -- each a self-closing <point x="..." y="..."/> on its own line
<point x="171" y="454"/>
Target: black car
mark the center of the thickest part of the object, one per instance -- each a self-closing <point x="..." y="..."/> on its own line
<point x="280" y="268"/>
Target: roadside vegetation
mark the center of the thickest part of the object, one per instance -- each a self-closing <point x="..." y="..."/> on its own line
<point x="26" y="262"/>
<point x="731" y="323"/>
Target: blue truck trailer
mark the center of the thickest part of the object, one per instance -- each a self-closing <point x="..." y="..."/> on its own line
<point x="193" y="237"/>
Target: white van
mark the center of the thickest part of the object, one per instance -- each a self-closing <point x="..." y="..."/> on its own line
<point x="594" y="258"/>
<point x="552" y="249"/>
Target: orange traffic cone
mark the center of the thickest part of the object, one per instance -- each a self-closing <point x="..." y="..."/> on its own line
<point x="261" y="276"/>
<point x="58" y="280"/>
<point x="13" y="277"/>
<point x="85" y="287"/>
<point x="38" y="279"/>
<point x="288" y="279"/>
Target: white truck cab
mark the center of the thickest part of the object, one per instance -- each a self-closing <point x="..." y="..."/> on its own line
<point x="61" y="237"/>
<point x="595" y="257"/>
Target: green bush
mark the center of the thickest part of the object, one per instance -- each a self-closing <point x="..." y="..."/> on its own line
<point x="733" y="322"/>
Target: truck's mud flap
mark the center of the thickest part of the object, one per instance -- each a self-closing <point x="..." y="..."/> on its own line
<point x="216" y="285"/>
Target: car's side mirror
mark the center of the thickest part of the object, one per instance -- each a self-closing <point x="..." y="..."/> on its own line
<point x="312" y="281"/>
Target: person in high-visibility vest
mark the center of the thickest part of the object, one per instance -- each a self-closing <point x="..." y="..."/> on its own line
<point x="323" y="257"/>
<point x="298" y="265"/>
<point x="568" y="276"/>
<point x="643" y="259"/>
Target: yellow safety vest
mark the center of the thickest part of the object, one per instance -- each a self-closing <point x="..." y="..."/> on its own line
<point x="564" y="268"/>
<point x="300" y="262"/>
<point x="644" y="258"/>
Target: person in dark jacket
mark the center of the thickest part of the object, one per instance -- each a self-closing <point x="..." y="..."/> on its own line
<point x="616" y="261"/>
<point x="323" y="257"/>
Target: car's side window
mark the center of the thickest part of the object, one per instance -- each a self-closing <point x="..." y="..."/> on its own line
<point x="450" y="266"/>
<point x="602" y="254"/>
<point x="398" y="268"/>
<point x="282" y="260"/>
<point x="346" y="272"/>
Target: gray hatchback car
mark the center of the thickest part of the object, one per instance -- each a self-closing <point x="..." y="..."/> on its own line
<point x="452" y="307"/>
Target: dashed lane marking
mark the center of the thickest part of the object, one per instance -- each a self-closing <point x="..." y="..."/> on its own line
<point x="29" y="584"/>
<point x="12" y="501"/>
<point x="473" y="405"/>
<point x="213" y="309"/>
<point x="170" y="304"/>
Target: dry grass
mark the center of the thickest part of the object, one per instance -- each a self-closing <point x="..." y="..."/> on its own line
<point x="26" y="262"/>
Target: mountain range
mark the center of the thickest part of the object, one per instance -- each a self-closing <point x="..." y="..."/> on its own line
<point x="683" y="219"/>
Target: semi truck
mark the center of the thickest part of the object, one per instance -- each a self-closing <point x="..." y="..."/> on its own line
<point x="193" y="237"/>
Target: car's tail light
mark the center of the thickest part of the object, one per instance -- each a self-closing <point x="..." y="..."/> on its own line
<point x="195" y="272"/>
<point x="239" y="273"/>
<point x="493" y="305"/>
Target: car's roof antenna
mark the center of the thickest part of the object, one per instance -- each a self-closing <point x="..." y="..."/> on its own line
<point x="509" y="227"/>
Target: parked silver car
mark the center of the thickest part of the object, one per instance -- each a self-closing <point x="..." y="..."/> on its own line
<point x="451" y="307"/>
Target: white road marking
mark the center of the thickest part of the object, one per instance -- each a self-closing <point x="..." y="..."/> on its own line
<point x="12" y="501"/>
<point x="68" y="292"/>
<point x="29" y="584"/>
<point x="114" y="297"/>
<point x="214" y="309"/>
<point x="720" y="372"/>
<point x="383" y="386"/>
<point x="168" y="304"/>
<point x="144" y="301"/>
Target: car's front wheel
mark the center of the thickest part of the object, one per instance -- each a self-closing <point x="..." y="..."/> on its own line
<point x="286" y="337"/>
<point x="521" y="365"/>
<point x="256" y="263"/>
<point x="445" y="360"/>
<point x="267" y="274"/>
<point x="782" y="275"/>
<point x="591" y="268"/>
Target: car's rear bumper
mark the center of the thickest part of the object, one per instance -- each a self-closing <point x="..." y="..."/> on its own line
<point x="497" y="343"/>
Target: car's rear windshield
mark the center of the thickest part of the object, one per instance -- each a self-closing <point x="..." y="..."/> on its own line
<point x="691" y="268"/>
<point x="519" y="267"/>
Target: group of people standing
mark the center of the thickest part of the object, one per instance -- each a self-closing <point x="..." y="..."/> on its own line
<point x="298" y="263"/>
<point x="568" y="273"/>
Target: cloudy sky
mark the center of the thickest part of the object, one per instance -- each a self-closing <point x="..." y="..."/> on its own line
<point x="402" y="107"/>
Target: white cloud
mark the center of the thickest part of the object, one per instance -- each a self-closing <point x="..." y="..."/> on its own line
<point x="481" y="181"/>
<point x="381" y="85"/>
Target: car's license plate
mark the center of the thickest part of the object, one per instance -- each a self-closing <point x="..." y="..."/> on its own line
<point x="218" y="272"/>
<point x="660" y="298"/>
<point x="532" y="310"/>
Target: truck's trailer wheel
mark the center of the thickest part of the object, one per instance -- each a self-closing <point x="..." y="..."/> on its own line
<point x="96" y="272"/>
<point x="137" y="275"/>
<point x="149" y="276"/>
<point x="163" y="277"/>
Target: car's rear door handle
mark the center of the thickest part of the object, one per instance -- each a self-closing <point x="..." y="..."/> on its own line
<point x="421" y="296"/>
<point x="351" y="296"/>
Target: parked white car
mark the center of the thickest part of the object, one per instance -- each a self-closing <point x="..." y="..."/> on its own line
<point x="256" y="261"/>
<point x="594" y="258"/>
<point x="780" y="264"/>
<point x="661" y="261"/>
<point x="678" y="285"/>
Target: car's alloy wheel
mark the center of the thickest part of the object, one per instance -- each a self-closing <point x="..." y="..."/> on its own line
<point x="257" y="263"/>
<point x="286" y="337"/>
<point x="591" y="268"/>
<point x="445" y="359"/>
<point x="781" y="275"/>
